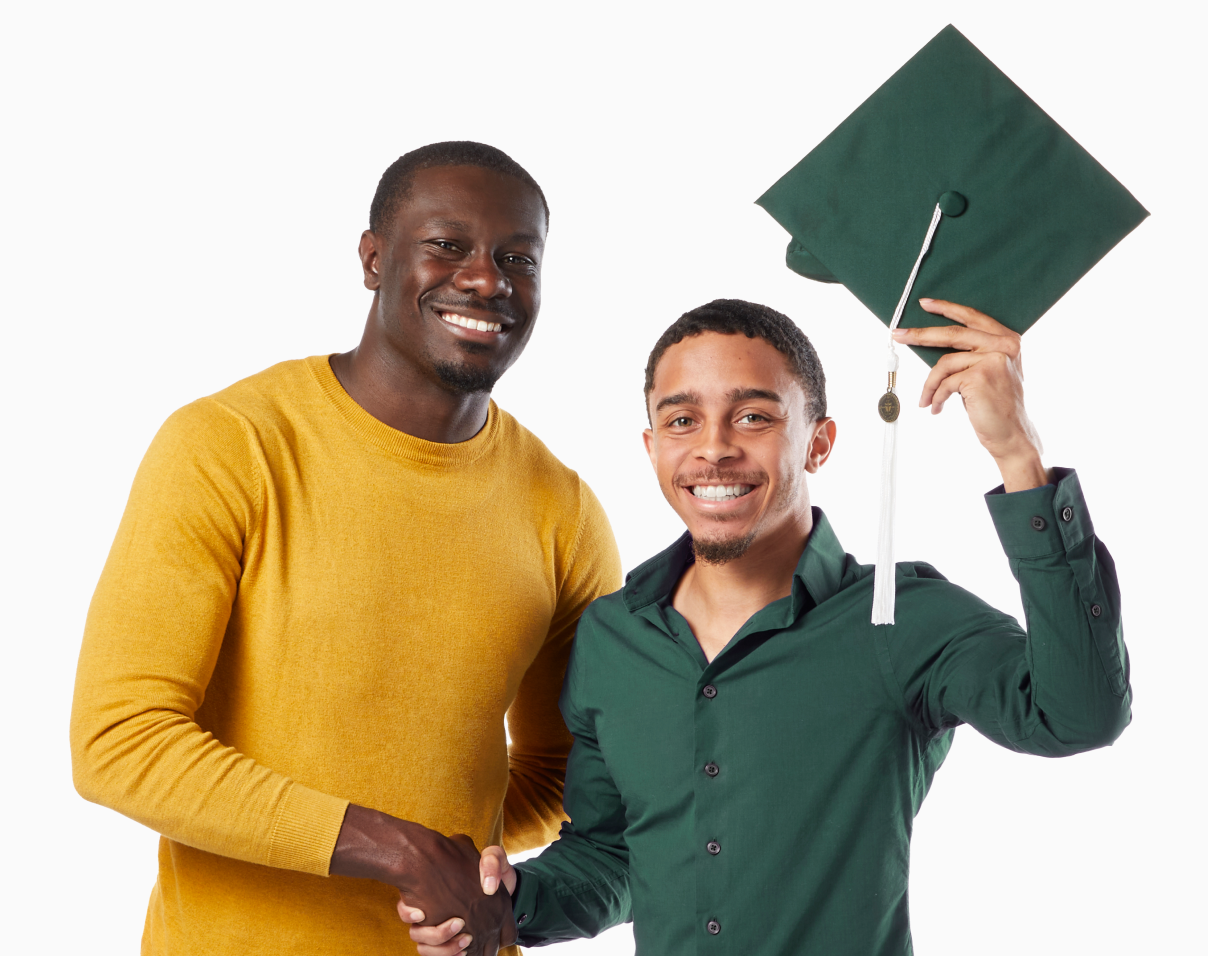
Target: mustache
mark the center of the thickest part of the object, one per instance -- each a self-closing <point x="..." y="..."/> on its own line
<point x="501" y="307"/>
<point x="721" y="476"/>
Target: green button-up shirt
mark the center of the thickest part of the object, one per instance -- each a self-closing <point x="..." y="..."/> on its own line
<point x="763" y="802"/>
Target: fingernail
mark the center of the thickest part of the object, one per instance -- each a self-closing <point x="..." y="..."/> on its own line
<point x="465" y="941"/>
<point x="416" y="915"/>
<point x="489" y="884"/>
<point x="457" y="926"/>
<point x="925" y="301"/>
<point x="900" y="334"/>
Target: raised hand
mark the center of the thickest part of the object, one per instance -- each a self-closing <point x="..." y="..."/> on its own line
<point x="437" y="877"/>
<point x="987" y="372"/>
<point x="447" y="939"/>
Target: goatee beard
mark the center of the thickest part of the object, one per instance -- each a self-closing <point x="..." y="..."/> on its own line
<point x="464" y="379"/>
<point x="722" y="550"/>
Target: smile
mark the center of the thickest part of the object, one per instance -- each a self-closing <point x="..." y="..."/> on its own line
<point x="721" y="492"/>
<point x="475" y="324"/>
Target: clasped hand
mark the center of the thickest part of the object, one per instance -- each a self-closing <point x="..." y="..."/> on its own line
<point x="447" y="938"/>
<point x="438" y="877"/>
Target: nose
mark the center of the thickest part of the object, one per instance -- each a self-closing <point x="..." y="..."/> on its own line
<point x="481" y="274"/>
<point x="716" y="442"/>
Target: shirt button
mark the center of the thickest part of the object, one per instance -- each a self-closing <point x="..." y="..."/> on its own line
<point x="713" y="926"/>
<point x="1038" y="523"/>
<point x="712" y="769"/>
<point x="713" y="847"/>
<point x="1067" y="513"/>
<point x="1096" y="610"/>
<point x="709" y="691"/>
<point x="521" y="918"/>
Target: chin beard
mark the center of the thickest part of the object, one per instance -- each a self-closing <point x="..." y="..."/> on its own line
<point x="465" y="379"/>
<point x="722" y="550"/>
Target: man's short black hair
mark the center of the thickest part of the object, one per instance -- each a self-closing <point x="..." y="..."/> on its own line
<point x="736" y="316"/>
<point x="395" y="184"/>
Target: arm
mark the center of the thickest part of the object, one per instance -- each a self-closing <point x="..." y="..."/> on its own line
<point x="1062" y="686"/>
<point x="537" y="755"/>
<point x="154" y="631"/>
<point x="579" y="886"/>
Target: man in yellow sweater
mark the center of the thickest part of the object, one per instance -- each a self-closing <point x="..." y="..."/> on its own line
<point x="331" y="583"/>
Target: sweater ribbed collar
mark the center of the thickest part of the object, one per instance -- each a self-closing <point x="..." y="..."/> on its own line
<point x="398" y="443"/>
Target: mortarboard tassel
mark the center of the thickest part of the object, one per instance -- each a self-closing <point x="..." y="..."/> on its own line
<point x="883" y="586"/>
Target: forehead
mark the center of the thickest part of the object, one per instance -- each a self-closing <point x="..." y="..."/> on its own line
<point x="713" y="365"/>
<point x="472" y="195"/>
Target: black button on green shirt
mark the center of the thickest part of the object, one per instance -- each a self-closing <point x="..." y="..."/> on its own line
<point x="810" y="760"/>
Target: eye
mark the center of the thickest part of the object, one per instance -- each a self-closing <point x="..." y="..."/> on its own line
<point x="752" y="418"/>
<point x="683" y="421"/>
<point x="447" y="244"/>
<point x="514" y="259"/>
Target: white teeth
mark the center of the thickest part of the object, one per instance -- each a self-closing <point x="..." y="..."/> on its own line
<point x="454" y="319"/>
<point x="721" y="492"/>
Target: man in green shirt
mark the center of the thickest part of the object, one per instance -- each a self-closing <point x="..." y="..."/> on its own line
<point x="750" y="751"/>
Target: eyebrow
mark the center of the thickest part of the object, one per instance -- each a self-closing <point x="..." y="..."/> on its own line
<point x="734" y="395"/>
<point x="679" y="398"/>
<point x="743" y="394"/>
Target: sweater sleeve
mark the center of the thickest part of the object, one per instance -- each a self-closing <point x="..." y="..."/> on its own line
<point x="151" y="641"/>
<point x="591" y="568"/>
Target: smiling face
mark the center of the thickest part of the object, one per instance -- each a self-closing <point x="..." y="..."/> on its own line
<point x="731" y="442"/>
<point x="458" y="274"/>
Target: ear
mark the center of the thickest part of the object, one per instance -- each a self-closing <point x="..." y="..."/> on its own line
<point x="821" y="444"/>
<point x="369" y="253"/>
<point x="648" y="439"/>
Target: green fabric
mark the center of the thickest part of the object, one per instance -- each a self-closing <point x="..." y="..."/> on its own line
<point x="1041" y="211"/>
<point x="825" y="732"/>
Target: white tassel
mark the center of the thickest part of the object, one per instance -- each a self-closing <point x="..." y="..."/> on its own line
<point x="884" y="591"/>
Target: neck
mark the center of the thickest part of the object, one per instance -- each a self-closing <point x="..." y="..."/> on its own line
<point x="717" y="599"/>
<point x="396" y="392"/>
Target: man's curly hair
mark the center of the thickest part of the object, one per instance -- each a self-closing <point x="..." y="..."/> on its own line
<point x="738" y="317"/>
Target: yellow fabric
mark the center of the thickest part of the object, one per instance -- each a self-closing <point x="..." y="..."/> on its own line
<point x="304" y="607"/>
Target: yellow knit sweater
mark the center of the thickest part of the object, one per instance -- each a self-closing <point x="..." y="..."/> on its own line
<point x="305" y="607"/>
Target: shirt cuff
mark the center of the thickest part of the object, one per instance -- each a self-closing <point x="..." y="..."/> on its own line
<point x="1044" y="520"/>
<point x="524" y="904"/>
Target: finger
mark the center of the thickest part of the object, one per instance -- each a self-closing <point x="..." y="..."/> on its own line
<point x="948" y="387"/>
<point x="447" y="932"/>
<point x="408" y="913"/>
<point x="491" y="867"/>
<point x="949" y="337"/>
<point x="949" y="364"/>
<point x="451" y="948"/>
<point x="964" y="315"/>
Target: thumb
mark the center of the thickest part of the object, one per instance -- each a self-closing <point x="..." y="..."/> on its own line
<point x="493" y="867"/>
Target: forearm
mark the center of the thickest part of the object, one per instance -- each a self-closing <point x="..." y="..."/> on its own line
<point x="160" y="768"/>
<point x="575" y="889"/>
<point x="1076" y="659"/>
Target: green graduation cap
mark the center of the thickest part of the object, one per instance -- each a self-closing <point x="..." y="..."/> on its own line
<point x="949" y="182"/>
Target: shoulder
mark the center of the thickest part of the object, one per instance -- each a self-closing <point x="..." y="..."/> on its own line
<point x="221" y="429"/>
<point x="269" y="396"/>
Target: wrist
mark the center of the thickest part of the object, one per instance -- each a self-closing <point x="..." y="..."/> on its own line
<point x="1022" y="472"/>
<point x="373" y="845"/>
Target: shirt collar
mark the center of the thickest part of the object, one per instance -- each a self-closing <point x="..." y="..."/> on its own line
<point x="820" y="569"/>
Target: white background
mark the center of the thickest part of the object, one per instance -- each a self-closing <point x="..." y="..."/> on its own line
<point x="183" y="189"/>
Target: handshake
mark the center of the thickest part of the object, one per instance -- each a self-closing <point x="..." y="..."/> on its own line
<point x="448" y="892"/>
